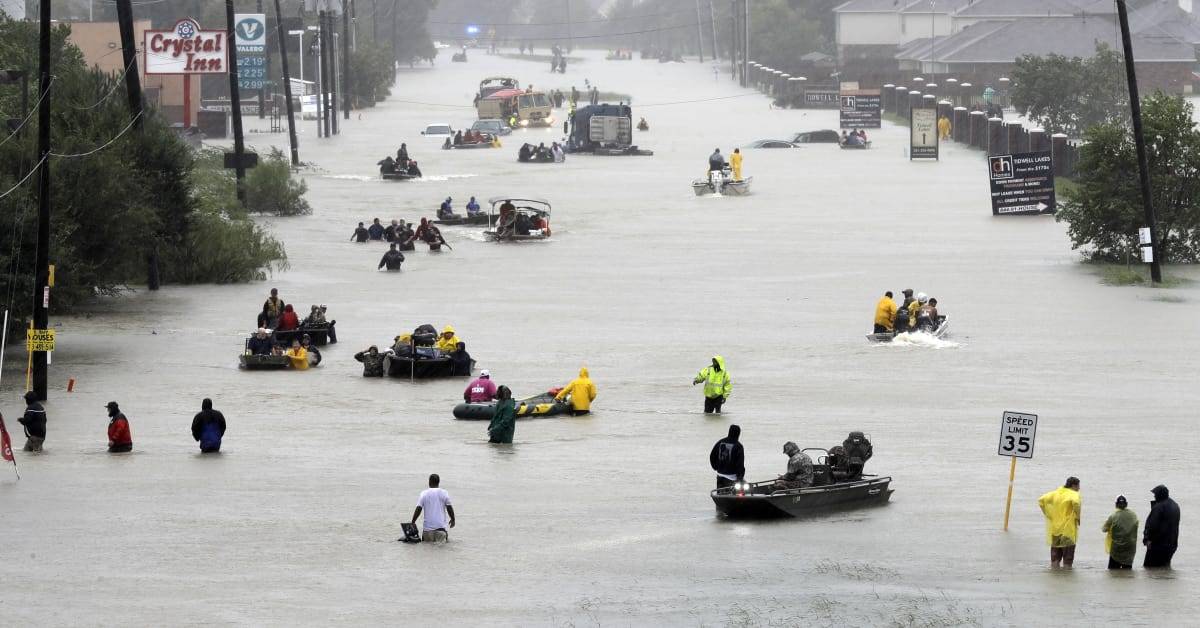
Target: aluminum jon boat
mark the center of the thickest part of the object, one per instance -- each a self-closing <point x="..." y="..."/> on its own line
<point x="723" y="184"/>
<point x="938" y="332"/>
<point x="761" y="500"/>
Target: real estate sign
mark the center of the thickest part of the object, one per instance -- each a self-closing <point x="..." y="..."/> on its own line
<point x="860" y="109"/>
<point x="923" y="136"/>
<point x="1022" y="183"/>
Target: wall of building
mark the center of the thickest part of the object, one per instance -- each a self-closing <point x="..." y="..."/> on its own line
<point x="921" y="26"/>
<point x="868" y="29"/>
<point x="100" y="43"/>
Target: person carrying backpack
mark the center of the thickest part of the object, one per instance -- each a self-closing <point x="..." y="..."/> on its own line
<point x="208" y="427"/>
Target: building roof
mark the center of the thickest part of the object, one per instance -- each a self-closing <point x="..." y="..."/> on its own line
<point x="870" y="6"/>
<point x="1018" y="8"/>
<point x="941" y="6"/>
<point x="815" y="57"/>
<point x="1002" y="41"/>
<point x="1165" y="19"/>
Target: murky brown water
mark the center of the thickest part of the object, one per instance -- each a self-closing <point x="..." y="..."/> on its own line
<point x="606" y="520"/>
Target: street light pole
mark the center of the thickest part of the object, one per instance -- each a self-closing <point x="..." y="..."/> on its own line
<point x="1139" y="141"/>
<point x="932" y="43"/>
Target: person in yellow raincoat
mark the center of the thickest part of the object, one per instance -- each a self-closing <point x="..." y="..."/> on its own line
<point x="582" y="392"/>
<point x="717" y="385"/>
<point x="735" y="163"/>
<point x="298" y="356"/>
<point x="943" y="126"/>
<point x="885" y="314"/>
<point x="1062" y="508"/>
<point x="448" y="342"/>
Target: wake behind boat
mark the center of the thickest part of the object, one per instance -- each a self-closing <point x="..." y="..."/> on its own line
<point x="943" y="326"/>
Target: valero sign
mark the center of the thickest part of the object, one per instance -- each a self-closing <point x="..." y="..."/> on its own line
<point x="186" y="49"/>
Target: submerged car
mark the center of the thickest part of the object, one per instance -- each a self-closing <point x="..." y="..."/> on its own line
<point x="771" y="144"/>
<point x="438" y="130"/>
<point x="825" y="136"/>
<point x="491" y="127"/>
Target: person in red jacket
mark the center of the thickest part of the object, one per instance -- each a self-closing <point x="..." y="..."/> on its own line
<point x="119" y="439"/>
<point x="288" y="320"/>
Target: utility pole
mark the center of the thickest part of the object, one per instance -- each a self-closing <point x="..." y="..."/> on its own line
<point x="326" y="41"/>
<point x="281" y="36"/>
<point x="335" y="75"/>
<point x="1139" y="141"/>
<point x="133" y="90"/>
<point x="733" y="32"/>
<point x="41" y="264"/>
<point x="262" y="91"/>
<point x="745" y="39"/>
<point x="700" y="34"/>
<point x="570" y="37"/>
<point x="345" y="72"/>
<point x="932" y="43"/>
<point x="395" y="37"/>
<point x="235" y="105"/>
<point x="712" y="21"/>
<point x="375" y="21"/>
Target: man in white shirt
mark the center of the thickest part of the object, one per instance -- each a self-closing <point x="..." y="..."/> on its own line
<point x="435" y="503"/>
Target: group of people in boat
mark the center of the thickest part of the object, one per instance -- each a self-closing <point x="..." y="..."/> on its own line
<point x="917" y="313"/>
<point x="854" y="138"/>
<point x="401" y="164"/>
<point x="553" y="153"/>
<point x="471" y="137"/>
<point x="423" y="343"/>
<point x="717" y="163"/>
<point x="281" y="316"/>
<point x="301" y="354"/>
<point x="844" y="462"/>
<point x="512" y="222"/>
<point x="446" y="209"/>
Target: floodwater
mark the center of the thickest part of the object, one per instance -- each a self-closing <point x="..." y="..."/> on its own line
<point x="606" y="520"/>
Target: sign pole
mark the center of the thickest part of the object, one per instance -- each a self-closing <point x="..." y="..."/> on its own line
<point x="235" y="102"/>
<point x="1012" y="473"/>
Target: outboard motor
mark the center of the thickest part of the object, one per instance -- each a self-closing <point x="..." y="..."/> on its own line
<point x="425" y="336"/>
<point x="858" y="452"/>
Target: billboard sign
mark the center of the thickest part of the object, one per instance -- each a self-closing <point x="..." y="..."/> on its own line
<point x="250" y="37"/>
<point x="861" y="109"/>
<point x="1022" y="183"/>
<point x="186" y="49"/>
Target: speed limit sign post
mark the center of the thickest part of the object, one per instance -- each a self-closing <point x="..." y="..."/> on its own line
<point x="1018" y="431"/>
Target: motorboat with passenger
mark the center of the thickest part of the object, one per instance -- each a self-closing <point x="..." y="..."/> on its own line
<point x="515" y="219"/>
<point x="838" y="483"/>
<point x="721" y="182"/>
<point x="414" y="356"/>
<point x="535" y="407"/>
<point x="938" y="331"/>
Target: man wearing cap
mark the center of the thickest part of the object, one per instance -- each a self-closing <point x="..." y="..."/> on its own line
<point x="372" y="361"/>
<point x="260" y="344"/>
<point x="119" y="438"/>
<point x="1161" y="536"/>
<point x="902" y="314"/>
<point x="482" y="390"/>
<point x="1122" y="535"/>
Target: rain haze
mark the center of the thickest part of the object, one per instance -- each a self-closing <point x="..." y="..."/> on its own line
<point x="607" y="519"/>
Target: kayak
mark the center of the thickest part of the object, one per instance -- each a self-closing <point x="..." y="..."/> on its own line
<point x="535" y="407"/>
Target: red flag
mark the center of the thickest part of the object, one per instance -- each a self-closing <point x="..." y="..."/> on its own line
<point x="5" y="443"/>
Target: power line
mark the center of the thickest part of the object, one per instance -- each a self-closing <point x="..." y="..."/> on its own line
<point x="103" y="146"/>
<point x="32" y="110"/>
<point x="26" y="178"/>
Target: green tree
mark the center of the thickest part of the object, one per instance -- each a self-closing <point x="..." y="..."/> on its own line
<point x="1104" y="212"/>
<point x="1070" y="95"/>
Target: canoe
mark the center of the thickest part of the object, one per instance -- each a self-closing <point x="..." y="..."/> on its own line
<point x="535" y="407"/>
<point x="760" y="500"/>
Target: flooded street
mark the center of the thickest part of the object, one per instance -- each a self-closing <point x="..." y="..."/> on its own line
<point x="606" y="520"/>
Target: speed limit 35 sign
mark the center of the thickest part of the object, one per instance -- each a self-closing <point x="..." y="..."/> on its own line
<point x="1018" y="431"/>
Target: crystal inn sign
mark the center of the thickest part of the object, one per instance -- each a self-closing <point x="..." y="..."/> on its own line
<point x="186" y="49"/>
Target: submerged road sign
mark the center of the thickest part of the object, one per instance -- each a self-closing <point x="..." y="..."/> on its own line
<point x="1018" y="431"/>
<point x="1022" y="183"/>
<point x="860" y="109"/>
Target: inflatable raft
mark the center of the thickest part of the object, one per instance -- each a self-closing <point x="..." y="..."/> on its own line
<point x="538" y="406"/>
